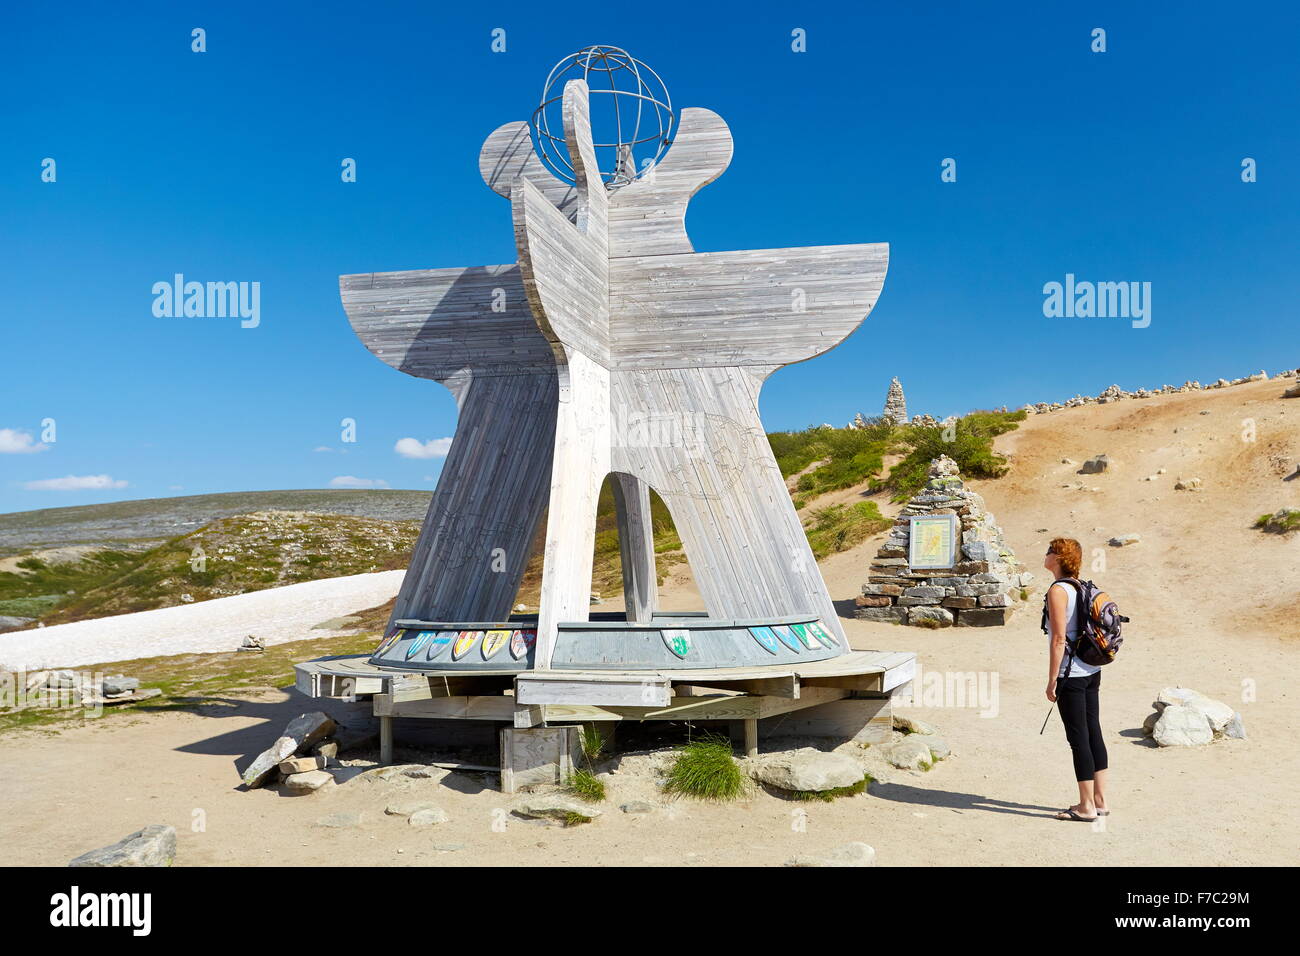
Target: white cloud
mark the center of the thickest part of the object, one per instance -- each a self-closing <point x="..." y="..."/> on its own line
<point x="348" y="481"/>
<point x="414" y="448"/>
<point x="74" y="483"/>
<point x="14" y="442"/>
<point x="322" y="448"/>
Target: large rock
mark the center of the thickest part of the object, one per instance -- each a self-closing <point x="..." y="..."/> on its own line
<point x="302" y="764"/>
<point x="429" y="816"/>
<point x="984" y="617"/>
<point x="309" y="781"/>
<point x="807" y="769"/>
<point x="928" y="616"/>
<point x="910" y="753"/>
<point x="1095" y="465"/>
<point x="1181" y="725"/>
<point x="116" y="686"/>
<point x="153" y="846"/>
<point x="912" y="725"/>
<point x="939" y="748"/>
<point x="1216" y="711"/>
<point x="553" y="807"/>
<point x="302" y="732"/>
<point x="890" y="615"/>
<point x="849" y="854"/>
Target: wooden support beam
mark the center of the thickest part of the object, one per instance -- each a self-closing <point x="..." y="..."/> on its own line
<point x="529" y="715"/>
<point x="459" y="708"/>
<point x="385" y="740"/>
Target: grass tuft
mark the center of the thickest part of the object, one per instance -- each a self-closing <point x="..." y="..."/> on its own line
<point x="586" y="786"/>
<point x="704" y="769"/>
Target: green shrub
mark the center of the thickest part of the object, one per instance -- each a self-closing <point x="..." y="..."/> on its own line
<point x="848" y="456"/>
<point x="840" y="527"/>
<point x="971" y="447"/>
<point x="1283" y="521"/>
<point x="704" y="769"/>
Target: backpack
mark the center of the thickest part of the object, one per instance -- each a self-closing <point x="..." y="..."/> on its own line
<point x="1099" y="629"/>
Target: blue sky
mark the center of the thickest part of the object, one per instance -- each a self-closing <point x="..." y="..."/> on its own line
<point x="224" y="166"/>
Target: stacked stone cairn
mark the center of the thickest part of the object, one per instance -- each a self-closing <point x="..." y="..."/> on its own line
<point x="979" y="591"/>
<point x="895" y="403"/>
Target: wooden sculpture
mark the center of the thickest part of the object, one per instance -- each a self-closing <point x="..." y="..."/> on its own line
<point x="612" y="348"/>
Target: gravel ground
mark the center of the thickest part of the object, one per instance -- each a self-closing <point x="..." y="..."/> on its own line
<point x="277" y="615"/>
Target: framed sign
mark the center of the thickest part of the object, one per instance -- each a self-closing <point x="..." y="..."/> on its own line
<point x="933" y="541"/>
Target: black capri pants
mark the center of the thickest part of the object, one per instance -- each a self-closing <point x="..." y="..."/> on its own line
<point x="1077" y="700"/>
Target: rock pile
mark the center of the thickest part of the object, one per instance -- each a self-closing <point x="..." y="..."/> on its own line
<point x="1185" y="718"/>
<point x="300" y="736"/>
<point x="979" y="590"/>
<point x="84" y="689"/>
<point x="1116" y="394"/>
<point x="895" y="403"/>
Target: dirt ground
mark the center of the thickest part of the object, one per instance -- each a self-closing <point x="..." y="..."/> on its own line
<point x="1213" y="604"/>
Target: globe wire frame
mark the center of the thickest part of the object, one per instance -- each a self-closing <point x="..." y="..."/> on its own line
<point x="552" y="150"/>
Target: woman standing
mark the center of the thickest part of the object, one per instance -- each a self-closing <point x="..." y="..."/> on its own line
<point x="1076" y="693"/>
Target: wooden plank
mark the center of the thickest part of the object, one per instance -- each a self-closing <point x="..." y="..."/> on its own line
<point x="460" y="708"/>
<point x="532" y="715"/>
<point x="553" y="689"/>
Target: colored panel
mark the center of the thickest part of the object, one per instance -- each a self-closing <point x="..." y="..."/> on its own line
<point x="493" y="641"/>
<point x="787" y="637"/>
<point x="765" y="637"/>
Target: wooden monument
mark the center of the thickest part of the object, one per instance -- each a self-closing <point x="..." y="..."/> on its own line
<point x="611" y="348"/>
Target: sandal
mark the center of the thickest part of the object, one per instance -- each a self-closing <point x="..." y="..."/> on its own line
<point x="1070" y="814"/>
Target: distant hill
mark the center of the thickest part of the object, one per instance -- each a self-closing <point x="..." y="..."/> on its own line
<point x="232" y="555"/>
<point x="131" y="523"/>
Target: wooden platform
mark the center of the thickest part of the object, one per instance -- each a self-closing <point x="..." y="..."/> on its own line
<point x="538" y="698"/>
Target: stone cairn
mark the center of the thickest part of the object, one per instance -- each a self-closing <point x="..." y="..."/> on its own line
<point x="895" y="403"/>
<point x="979" y="591"/>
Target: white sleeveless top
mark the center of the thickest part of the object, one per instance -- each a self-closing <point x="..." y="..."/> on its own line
<point x="1077" y="667"/>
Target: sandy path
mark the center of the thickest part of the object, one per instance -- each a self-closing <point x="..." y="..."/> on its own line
<point x="277" y="615"/>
